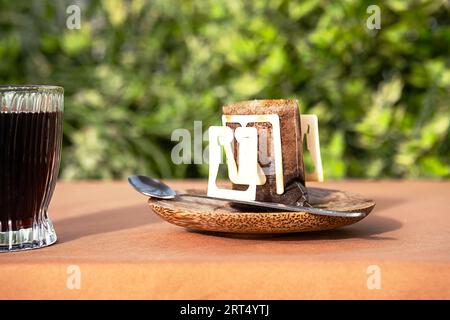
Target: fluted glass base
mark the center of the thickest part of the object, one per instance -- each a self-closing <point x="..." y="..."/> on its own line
<point x="40" y="235"/>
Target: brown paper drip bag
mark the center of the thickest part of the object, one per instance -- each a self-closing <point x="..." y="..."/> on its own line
<point x="295" y="192"/>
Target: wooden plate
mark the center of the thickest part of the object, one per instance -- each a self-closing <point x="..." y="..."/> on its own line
<point x="219" y="216"/>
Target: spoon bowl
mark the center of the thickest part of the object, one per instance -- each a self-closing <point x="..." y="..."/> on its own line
<point x="151" y="187"/>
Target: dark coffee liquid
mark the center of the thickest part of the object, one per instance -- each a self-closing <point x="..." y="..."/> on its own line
<point x="30" y="145"/>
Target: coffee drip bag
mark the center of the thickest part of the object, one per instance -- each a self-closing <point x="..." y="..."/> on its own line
<point x="295" y="192"/>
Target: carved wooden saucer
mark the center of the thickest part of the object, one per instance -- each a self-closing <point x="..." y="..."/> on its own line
<point x="218" y="216"/>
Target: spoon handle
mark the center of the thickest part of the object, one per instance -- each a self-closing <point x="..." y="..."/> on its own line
<point x="280" y="206"/>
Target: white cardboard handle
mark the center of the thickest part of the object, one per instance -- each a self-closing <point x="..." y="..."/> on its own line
<point x="310" y="129"/>
<point x="248" y="138"/>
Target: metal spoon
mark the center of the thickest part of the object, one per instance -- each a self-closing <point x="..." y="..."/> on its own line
<point x="154" y="188"/>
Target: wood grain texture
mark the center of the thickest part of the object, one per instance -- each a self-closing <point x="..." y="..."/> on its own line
<point x="221" y="216"/>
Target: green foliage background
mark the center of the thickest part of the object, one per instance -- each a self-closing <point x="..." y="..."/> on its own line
<point x="136" y="70"/>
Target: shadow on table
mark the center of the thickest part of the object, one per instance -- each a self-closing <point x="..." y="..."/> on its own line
<point x="104" y="221"/>
<point x="371" y="228"/>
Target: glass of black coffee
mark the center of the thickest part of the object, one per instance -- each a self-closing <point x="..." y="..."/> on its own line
<point x="30" y="151"/>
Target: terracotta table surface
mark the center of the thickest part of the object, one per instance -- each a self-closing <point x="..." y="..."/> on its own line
<point x="120" y="249"/>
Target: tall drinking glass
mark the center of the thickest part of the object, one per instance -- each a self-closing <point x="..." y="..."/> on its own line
<point x="30" y="152"/>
